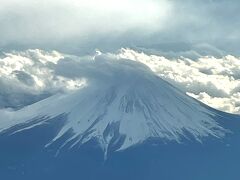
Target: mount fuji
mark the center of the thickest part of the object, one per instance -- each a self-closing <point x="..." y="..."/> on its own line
<point x="123" y="122"/>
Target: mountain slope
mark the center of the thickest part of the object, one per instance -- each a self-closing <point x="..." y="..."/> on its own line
<point x="24" y="157"/>
<point x="146" y="128"/>
<point x="124" y="103"/>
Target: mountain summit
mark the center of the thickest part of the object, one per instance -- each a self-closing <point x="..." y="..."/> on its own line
<point x="120" y="103"/>
<point x="119" y="121"/>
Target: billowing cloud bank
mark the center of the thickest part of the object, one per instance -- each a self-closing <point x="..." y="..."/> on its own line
<point x="26" y="77"/>
<point x="213" y="81"/>
<point x="29" y="76"/>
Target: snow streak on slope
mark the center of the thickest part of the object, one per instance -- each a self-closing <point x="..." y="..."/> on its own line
<point x="122" y="103"/>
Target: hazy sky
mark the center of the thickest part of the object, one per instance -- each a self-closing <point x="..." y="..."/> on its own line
<point x="188" y="27"/>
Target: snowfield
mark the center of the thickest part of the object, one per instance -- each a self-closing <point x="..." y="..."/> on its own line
<point x="120" y="102"/>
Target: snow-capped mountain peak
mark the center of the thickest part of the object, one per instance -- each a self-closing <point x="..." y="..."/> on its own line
<point x="122" y="103"/>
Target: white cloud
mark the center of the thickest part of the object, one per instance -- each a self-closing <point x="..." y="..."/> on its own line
<point x="214" y="81"/>
<point x="228" y="104"/>
<point x="26" y="77"/>
<point x="38" y="74"/>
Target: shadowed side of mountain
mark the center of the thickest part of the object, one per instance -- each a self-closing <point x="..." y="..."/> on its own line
<point x="24" y="157"/>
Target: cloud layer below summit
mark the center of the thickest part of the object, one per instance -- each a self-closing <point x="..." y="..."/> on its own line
<point x="29" y="76"/>
<point x="214" y="81"/>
